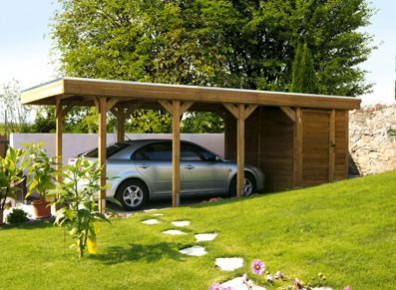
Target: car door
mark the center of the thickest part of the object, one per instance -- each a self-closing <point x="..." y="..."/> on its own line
<point x="154" y="162"/>
<point x="202" y="171"/>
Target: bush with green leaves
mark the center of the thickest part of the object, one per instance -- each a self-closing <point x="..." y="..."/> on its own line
<point x="76" y="195"/>
<point x="16" y="216"/>
<point x="11" y="168"/>
<point x="40" y="171"/>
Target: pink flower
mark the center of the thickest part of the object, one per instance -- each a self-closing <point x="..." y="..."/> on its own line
<point x="269" y="278"/>
<point x="215" y="286"/>
<point x="257" y="267"/>
<point x="347" y="288"/>
<point x="278" y="275"/>
<point x="297" y="283"/>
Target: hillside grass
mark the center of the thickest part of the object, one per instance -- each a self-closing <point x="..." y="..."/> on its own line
<point x="346" y="230"/>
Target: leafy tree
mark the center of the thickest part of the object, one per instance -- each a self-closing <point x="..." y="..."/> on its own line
<point x="304" y="76"/>
<point x="16" y="114"/>
<point x="202" y="123"/>
<point x="228" y="43"/>
<point x="44" y="120"/>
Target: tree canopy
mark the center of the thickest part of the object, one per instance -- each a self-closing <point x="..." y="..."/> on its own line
<point x="247" y="44"/>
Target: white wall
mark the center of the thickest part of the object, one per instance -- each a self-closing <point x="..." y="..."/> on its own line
<point x="73" y="144"/>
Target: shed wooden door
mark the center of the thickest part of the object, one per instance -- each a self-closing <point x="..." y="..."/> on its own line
<point x="315" y="147"/>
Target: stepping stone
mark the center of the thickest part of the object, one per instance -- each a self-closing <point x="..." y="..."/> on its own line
<point x="181" y="223"/>
<point x="158" y="214"/>
<point x="194" y="251"/>
<point x="174" y="232"/>
<point x="150" y="210"/>
<point x="229" y="264"/>
<point x="240" y="283"/>
<point x="205" y="237"/>
<point x="151" y="222"/>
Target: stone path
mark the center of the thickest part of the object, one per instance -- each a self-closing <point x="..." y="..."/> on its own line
<point x="181" y="224"/>
<point x="174" y="232"/>
<point x="229" y="264"/>
<point x="224" y="264"/>
<point x="205" y="237"/>
<point x="194" y="251"/>
<point x="151" y="222"/>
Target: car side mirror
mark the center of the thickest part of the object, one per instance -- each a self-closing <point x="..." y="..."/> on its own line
<point x="214" y="159"/>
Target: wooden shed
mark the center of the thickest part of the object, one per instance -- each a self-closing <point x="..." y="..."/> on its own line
<point x="298" y="140"/>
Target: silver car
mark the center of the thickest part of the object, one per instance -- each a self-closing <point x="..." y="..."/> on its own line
<point x="141" y="170"/>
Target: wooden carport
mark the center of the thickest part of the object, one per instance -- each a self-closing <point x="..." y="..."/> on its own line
<point x="235" y="105"/>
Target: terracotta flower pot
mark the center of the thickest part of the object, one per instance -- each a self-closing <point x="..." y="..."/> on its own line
<point x="40" y="209"/>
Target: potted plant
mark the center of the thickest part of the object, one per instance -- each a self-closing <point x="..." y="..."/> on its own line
<point x="11" y="169"/>
<point x="40" y="179"/>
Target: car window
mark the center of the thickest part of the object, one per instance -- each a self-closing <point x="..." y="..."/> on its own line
<point x="154" y="152"/>
<point x="110" y="151"/>
<point x="190" y="152"/>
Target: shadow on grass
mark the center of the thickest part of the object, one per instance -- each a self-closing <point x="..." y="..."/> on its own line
<point x="30" y="225"/>
<point x="229" y="200"/>
<point x="136" y="252"/>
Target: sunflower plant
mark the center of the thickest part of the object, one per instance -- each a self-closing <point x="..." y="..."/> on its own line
<point x="76" y="196"/>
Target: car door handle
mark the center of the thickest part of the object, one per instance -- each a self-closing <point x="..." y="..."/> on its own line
<point x="144" y="166"/>
<point x="189" y="167"/>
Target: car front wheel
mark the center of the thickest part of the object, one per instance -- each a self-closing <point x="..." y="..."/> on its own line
<point x="132" y="194"/>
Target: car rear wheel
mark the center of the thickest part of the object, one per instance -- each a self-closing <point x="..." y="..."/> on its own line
<point x="132" y="194"/>
<point x="249" y="186"/>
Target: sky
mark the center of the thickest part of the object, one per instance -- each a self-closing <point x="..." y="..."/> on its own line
<point x="25" y="46"/>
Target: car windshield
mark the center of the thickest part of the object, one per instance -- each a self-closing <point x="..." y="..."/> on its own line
<point x="110" y="151"/>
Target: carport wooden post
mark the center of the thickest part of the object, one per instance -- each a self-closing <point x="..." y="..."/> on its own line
<point x="176" y="109"/>
<point x="120" y="125"/>
<point x="101" y="104"/>
<point x="176" y="154"/>
<point x="298" y="150"/>
<point x="59" y="134"/>
<point x="241" y="112"/>
<point x="240" y="149"/>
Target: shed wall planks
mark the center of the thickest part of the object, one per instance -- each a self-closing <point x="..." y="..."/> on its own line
<point x="270" y="141"/>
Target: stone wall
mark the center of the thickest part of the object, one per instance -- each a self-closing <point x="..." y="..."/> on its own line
<point x="372" y="148"/>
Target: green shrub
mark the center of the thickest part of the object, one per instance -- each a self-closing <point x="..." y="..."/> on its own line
<point x="17" y="216"/>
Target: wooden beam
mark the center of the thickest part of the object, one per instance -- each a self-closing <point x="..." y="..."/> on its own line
<point x="167" y="106"/>
<point x="115" y="111"/>
<point x="72" y="88"/>
<point x="298" y="158"/>
<point x="185" y="106"/>
<point x="111" y="103"/>
<point x="232" y="109"/>
<point x="332" y="145"/>
<point x="66" y="110"/>
<point x="131" y="108"/>
<point x="289" y="112"/>
<point x="249" y="110"/>
<point x="176" y="154"/>
<point x="240" y="149"/>
<point x="96" y="103"/>
<point x="102" y="150"/>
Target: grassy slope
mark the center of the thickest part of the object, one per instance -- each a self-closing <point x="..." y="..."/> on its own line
<point x="346" y="230"/>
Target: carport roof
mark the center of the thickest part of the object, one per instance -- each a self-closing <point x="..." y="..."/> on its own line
<point x="83" y="92"/>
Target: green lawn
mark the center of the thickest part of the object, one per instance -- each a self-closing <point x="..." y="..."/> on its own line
<point x="346" y="230"/>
